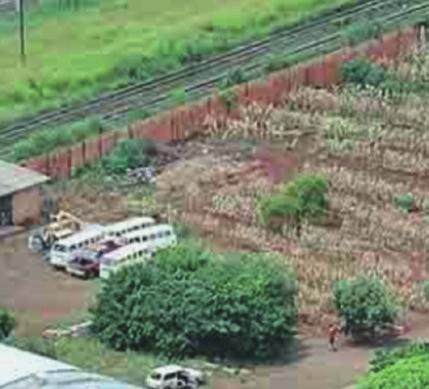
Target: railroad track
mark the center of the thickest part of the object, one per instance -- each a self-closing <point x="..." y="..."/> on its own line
<point x="315" y="36"/>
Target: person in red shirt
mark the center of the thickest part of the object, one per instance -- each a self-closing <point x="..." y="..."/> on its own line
<point x="334" y="331"/>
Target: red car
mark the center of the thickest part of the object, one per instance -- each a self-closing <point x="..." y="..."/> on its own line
<point x="86" y="263"/>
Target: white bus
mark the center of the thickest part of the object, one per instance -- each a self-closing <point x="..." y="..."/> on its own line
<point x="158" y="236"/>
<point x="130" y="254"/>
<point x="62" y="251"/>
<point x="129" y="226"/>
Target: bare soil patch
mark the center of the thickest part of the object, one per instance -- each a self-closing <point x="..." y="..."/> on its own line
<point x="39" y="296"/>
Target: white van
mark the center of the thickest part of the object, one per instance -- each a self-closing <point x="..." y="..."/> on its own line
<point x="175" y="377"/>
<point x="62" y="251"/>
<point x="129" y="226"/>
<point x="130" y="254"/>
<point x="159" y="236"/>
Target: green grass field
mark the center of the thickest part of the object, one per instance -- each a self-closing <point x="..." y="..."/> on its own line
<point x="76" y="54"/>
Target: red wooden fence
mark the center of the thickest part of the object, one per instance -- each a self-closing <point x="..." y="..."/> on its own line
<point x="183" y="122"/>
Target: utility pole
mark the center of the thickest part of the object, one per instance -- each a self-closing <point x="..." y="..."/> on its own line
<point x="22" y="30"/>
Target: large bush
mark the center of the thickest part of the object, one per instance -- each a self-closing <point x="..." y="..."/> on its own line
<point x="365" y="305"/>
<point x="401" y="367"/>
<point x="410" y="372"/>
<point x="189" y="301"/>
<point x="303" y="197"/>
<point x="7" y="323"/>
<point x="129" y="154"/>
<point x="364" y="73"/>
<point x="385" y="358"/>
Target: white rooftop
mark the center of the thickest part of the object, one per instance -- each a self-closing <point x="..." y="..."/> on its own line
<point x="23" y="370"/>
<point x="88" y="232"/>
<point x="149" y="231"/>
<point x="127" y="250"/>
<point x="16" y="364"/>
<point x="134" y="221"/>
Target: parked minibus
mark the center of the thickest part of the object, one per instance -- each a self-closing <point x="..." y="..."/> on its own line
<point x="129" y="226"/>
<point x="62" y="251"/>
<point x="159" y="236"/>
<point x="130" y="254"/>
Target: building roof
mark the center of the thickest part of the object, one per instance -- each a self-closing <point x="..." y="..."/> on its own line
<point x="14" y="178"/>
<point x="23" y="370"/>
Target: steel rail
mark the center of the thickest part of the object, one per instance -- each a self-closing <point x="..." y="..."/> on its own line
<point x="328" y="44"/>
<point x="150" y="94"/>
<point x="249" y="49"/>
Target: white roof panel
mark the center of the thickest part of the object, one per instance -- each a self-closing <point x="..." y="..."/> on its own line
<point x="23" y="370"/>
<point x="149" y="230"/>
<point x="135" y="221"/>
<point x="88" y="232"/>
<point x="16" y="364"/>
<point x="123" y="252"/>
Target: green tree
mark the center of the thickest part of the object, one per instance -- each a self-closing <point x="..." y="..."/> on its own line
<point x="129" y="154"/>
<point x="305" y="197"/>
<point x="364" y="73"/>
<point x="189" y="301"/>
<point x="365" y="305"/>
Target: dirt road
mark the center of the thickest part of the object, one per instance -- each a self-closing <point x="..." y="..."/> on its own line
<point x="314" y="366"/>
<point x="39" y="295"/>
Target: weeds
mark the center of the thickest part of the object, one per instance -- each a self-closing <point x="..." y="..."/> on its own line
<point x="405" y="202"/>
<point x="148" y="46"/>
<point x="179" y="96"/>
<point x="229" y="99"/>
<point x="276" y="62"/>
<point x="44" y="141"/>
<point x="360" y="32"/>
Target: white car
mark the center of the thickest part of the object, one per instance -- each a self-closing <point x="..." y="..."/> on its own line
<point x="174" y="377"/>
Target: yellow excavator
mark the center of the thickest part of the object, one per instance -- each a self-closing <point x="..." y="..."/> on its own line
<point x="62" y="225"/>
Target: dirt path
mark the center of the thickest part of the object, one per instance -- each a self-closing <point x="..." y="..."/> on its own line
<point x="39" y="296"/>
<point x="314" y="366"/>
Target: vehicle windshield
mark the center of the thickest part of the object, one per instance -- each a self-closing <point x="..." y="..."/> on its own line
<point x="60" y="248"/>
<point x="156" y="376"/>
<point x="83" y="261"/>
<point x="87" y="255"/>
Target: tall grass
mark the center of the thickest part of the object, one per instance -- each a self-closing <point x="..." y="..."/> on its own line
<point x="49" y="139"/>
<point x="75" y="54"/>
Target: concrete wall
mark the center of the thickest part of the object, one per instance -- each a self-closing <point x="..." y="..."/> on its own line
<point x="27" y="206"/>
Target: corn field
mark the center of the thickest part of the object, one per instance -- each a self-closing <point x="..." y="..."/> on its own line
<point x="371" y="148"/>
